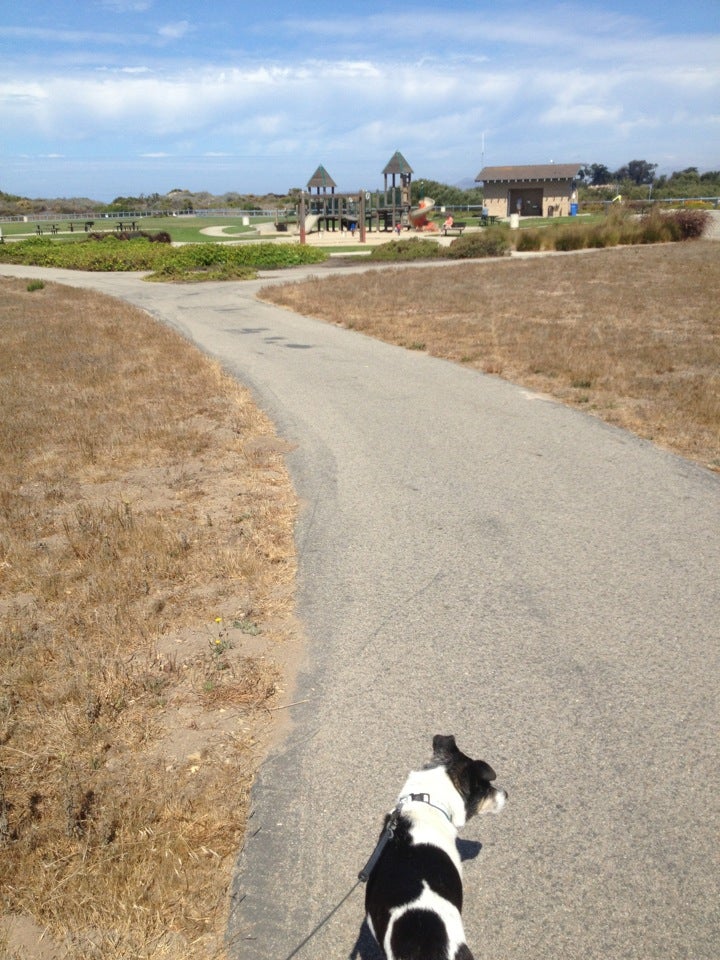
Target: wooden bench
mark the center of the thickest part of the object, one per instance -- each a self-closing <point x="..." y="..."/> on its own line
<point x="456" y="228"/>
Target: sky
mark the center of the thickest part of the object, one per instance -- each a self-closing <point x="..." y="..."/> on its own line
<point x="109" y="98"/>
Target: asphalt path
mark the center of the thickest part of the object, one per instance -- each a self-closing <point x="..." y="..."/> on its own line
<point x="477" y="560"/>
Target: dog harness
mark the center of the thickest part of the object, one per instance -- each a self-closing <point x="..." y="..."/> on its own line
<point x="389" y="831"/>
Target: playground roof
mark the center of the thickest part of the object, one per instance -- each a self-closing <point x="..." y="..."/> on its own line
<point x="538" y="171"/>
<point x="398" y="164"/>
<point x="321" y="178"/>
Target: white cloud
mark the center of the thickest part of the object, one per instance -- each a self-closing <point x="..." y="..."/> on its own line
<point x="536" y="86"/>
<point x="174" y="31"/>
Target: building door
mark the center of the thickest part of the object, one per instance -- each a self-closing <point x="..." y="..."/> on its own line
<point x="527" y="202"/>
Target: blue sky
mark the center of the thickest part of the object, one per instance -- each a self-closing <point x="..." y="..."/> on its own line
<point x="106" y="98"/>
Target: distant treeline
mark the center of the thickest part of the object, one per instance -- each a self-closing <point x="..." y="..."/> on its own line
<point x="637" y="180"/>
<point x="634" y="180"/>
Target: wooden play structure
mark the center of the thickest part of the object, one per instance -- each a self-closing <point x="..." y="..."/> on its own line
<point x="322" y="208"/>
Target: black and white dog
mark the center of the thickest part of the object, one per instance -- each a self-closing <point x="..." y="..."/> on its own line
<point x="414" y="878"/>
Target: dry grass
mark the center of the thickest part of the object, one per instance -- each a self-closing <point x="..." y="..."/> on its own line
<point x="630" y="334"/>
<point x="146" y="577"/>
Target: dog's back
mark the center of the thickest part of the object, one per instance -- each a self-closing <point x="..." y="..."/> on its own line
<point x="414" y="892"/>
<point x="419" y="888"/>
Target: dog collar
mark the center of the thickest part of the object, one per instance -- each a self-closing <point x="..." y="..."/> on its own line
<point x="424" y="798"/>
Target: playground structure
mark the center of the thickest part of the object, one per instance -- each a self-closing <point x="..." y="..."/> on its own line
<point x="389" y="209"/>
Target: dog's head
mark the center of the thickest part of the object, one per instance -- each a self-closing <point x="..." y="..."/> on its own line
<point x="471" y="778"/>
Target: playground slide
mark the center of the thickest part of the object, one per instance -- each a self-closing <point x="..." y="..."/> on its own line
<point x="419" y="214"/>
<point x="311" y="222"/>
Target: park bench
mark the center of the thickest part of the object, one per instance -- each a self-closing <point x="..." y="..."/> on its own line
<point x="456" y="228"/>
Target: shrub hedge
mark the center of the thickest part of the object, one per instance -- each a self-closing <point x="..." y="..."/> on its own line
<point x="193" y="261"/>
<point x="197" y="261"/>
<point x="619" y="227"/>
<point x="493" y="242"/>
<point x="414" y="248"/>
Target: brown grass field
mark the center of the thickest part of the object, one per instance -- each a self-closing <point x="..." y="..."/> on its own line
<point x="147" y="560"/>
<point x="631" y="334"/>
<point x="146" y="580"/>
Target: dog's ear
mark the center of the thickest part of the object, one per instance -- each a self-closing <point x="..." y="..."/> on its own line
<point x="444" y="748"/>
<point x="483" y="771"/>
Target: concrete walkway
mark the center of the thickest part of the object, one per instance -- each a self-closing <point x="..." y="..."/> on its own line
<point x="478" y="560"/>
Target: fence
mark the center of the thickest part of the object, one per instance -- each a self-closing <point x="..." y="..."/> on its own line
<point x="50" y="216"/>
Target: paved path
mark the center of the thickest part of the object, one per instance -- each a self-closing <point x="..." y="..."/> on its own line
<point x="480" y="561"/>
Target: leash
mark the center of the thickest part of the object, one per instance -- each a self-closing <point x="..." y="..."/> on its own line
<point x="389" y="831"/>
<point x="364" y="875"/>
<point x="385" y="837"/>
<point x="322" y="923"/>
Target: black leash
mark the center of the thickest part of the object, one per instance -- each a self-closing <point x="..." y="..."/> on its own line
<point x="322" y="923"/>
<point x="389" y="831"/>
<point x="387" y="835"/>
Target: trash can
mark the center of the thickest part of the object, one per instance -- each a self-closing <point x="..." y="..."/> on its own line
<point x="551" y="211"/>
<point x="514" y="221"/>
<point x="573" y="209"/>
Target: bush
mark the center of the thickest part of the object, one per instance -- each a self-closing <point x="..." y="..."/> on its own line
<point x="108" y="252"/>
<point x="493" y="242"/>
<point x="162" y="236"/>
<point x="603" y="235"/>
<point x="656" y="227"/>
<point x="689" y="224"/>
<point x="528" y="240"/>
<point x="571" y="238"/>
<point x="402" y="250"/>
<point x="217" y="261"/>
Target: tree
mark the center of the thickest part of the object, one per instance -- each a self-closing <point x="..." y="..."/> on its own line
<point x="637" y="171"/>
<point x="441" y="193"/>
<point x="597" y="175"/>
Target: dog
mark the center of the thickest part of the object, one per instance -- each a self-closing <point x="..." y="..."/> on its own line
<point x="413" y="898"/>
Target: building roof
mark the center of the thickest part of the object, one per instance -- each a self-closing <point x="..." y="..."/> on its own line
<point x="321" y="178"/>
<point x="398" y="164"/>
<point x="538" y="171"/>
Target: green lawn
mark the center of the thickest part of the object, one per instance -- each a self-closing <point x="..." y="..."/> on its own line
<point x="185" y="229"/>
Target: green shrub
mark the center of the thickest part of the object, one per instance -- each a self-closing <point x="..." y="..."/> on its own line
<point x="111" y="253"/>
<point x="217" y="261"/>
<point x="412" y="249"/>
<point x="630" y="233"/>
<point x="493" y="242"/>
<point x="571" y="238"/>
<point x="603" y="235"/>
<point x="35" y="285"/>
<point x="528" y="240"/>
<point x="656" y="227"/>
